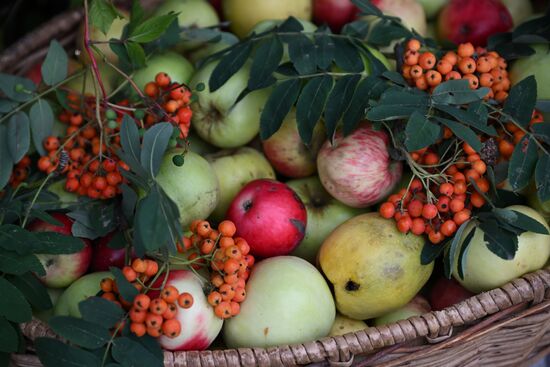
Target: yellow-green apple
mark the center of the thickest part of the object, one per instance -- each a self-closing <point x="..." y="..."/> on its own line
<point x="269" y="216"/>
<point x="83" y="288"/>
<point x="45" y="315"/>
<point x="519" y="10"/>
<point x="198" y="145"/>
<point x="175" y="65"/>
<point x="191" y="14"/>
<point x="62" y="270"/>
<point x="357" y="169"/>
<point x="473" y="21"/>
<point x="343" y="325"/>
<point x="226" y="39"/>
<point x="432" y="7"/>
<point x="324" y="213"/>
<point x="484" y="270"/>
<point x="216" y="117"/>
<point x="193" y="187"/>
<point x="416" y="307"/>
<point x="287" y="302"/>
<point x="234" y="169"/>
<point x="102" y="39"/>
<point x="85" y="83"/>
<point x="104" y="256"/>
<point x="410" y="11"/>
<point x="374" y="268"/>
<point x="334" y="13"/>
<point x="288" y="154"/>
<point x="536" y="65"/>
<point x="65" y="198"/>
<point x="245" y="14"/>
<point x="447" y="292"/>
<point x="199" y="325"/>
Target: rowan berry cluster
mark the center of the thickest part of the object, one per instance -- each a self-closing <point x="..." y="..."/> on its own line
<point x="510" y="135"/>
<point x="228" y="260"/>
<point x="154" y="316"/>
<point x="20" y="172"/>
<point x="450" y="200"/>
<point x="480" y="67"/>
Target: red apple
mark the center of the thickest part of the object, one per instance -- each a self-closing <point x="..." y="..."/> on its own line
<point x="335" y="13"/>
<point x="199" y="325"/>
<point x="217" y="4"/>
<point x="447" y="292"/>
<point x="62" y="270"/>
<point x="473" y="21"/>
<point x="105" y="256"/>
<point x="35" y="73"/>
<point x="270" y="216"/>
<point x="357" y="169"/>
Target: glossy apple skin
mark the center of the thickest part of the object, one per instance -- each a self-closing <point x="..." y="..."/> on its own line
<point x="62" y="270"/>
<point x="357" y="170"/>
<point x="447" y="292"/>
<point x="335" y="13"/>
<point x="104" y="257"/>
<point x="199" y="325"/>
<point x="473" y="21"/>
<point x="270" y="216"/>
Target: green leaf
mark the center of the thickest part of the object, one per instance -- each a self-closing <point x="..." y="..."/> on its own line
<point x="54" y="243"/>
<point x="520" y="220"/>
<point x="454" y="248"/>
<point x="291" y="24"/>
<point x="384" y="32"/>
<point x="33" y="290"/>
<point x="102" y="15"/>
<point x="137" y="14"/>
<point x="395" y="77"/>
<point x="469" y="117"/>
<point x="151" y="344"/>
<point x="152" y="28"/>
<point x="55" y="353"/>
<point x="457" y="92"/>
<point x="80" y="332"/>
<point x="324" y="50"/>
<point x="420" y="132"/>
<point x="11" y="86"/>
<point x="501" y="242"/>
<point x="347" y="57"/>
<point x="464" y="133"/>
<point x="430" y="252"/>
<point x="155" y="142"/>
<point x="100" y="311"/>
<point x="6" y="105"/>
<point x="56" y="65"/>
<point x="118" y="241"/>
<point x="397" y="104"/>
<point x="277" y="107"/>
<point x="13" y="305"/>
<point x="6" y="159"/>
<point x="542" y="131"/>
<point x="41" y="115"/>
<point x="9" y="340"/>
<point x="19" y="136"/>
<point x="136" y="54"/>
<point x="12" y="263"/>
<point x="367" y="89"/>
<point x="229" y="65"/>
<point x="463" y="254"/>
<point x="130" y="143"/>
<point x="367" y="8"/>
<point x="130" y="353"/>
<point x="311" y="104"/>
<point x="542" y="177"/>
<point x="266" y="60"/>
<point x="522" y="164"/>
<point x="129" y="201"/>
<point x="302" y="54"/>
<point x="521" y="100"/>
<point x="126" y="289"/>
<point x="340" y="99"/>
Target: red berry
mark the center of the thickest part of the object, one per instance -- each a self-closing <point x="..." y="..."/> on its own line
<point x="429" y="211"/>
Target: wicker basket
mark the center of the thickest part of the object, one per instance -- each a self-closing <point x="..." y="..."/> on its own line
<point x="508" y="326"/>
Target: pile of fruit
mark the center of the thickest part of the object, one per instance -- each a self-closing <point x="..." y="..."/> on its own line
<point x="220" y="187"/>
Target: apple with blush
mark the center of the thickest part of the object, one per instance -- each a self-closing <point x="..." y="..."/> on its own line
<point x="105" y="256"/>
<point x="447" y="292"/>
<point x="334" y="13"/>
<point x="62" y="270"/>
<point x="270" y="216"/>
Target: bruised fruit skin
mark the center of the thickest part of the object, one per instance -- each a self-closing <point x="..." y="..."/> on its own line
<point x="270" y="216"/>
<point x="473" y="21"/>
<point x="374" y="269"/>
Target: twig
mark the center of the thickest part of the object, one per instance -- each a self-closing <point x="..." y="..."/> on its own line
<point x="87" y="43"/>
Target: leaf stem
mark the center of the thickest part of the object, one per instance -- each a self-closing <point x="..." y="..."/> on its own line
<point x="87" y="43"/>
<point x="28" y="210"/>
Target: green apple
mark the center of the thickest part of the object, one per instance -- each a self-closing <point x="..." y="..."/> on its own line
<point x="45" y="315"/>
<point x="175" y="65"/>
<point x="83" y="288"/>
<point x="85" y="83"/>
<point x="520" y="10"/>
<point x="193" y="186"/>
<point x="324" y="213"/>
<point x="216" y="117"/>
<point x="191" y="14"/>
<point x="227" y="39"/>
<point x="537" y="65"/>
<point x="287" y="302"/>
<point x="198" y="145"/>
<point x="432" y="7"/>
<point x="411" y="13"/>
<point x="245" y="14"/>
<point x="102" y="39"/>
<point x="484" y="270"/>
<point x="535" y="203"/>
<point x="343" y="325"/>
<point x="65" y="198"/>
<point x="234" y="169"/>
<point x="416" y="307"/>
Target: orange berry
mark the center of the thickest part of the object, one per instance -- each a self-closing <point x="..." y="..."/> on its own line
<point x="235" y="308"/>
<point x="447" y="133"/>
<point x="421" y="83"/>
<point x="227" y="228"/>
<point x="169" y="294"/>
<point x="483" y="65"/>
<point x="473" y="157"/>
<point x="444" y="66"/>
<point x="436" y="237"/>
<point x="416" y="71"/>
<point x="129" y="274"/>
<point x="477" y="200"/>
<point x="139" y="266"/>
<point x="456" y="205"/>
<point x="453" y="75"/>
<point x="185" y="300"/>
<point x="429" y="211"/>
<point x="479" y="166"/>
<point x="152" y="268"/>
<point x="142" y="302"/>
<point x="446" y="189"/>
<point x="72" y="185"/>
<point x="467" y="65"/>
<point x="465" y="50"/>
<point x="162" y="80"/>
<point x="240" y="294"/>
<point x="153" y="320"/>
<point x="406" y="71"/>
<point x="483" y="184"/>
<point x="139" y="329"/>
<point x="518" y="135"/>
<point x="203" y="228"/>
<point x="158" y="306"/>
<point x="106" y="285"/>
<point x="431" y="159"/>
<point x="416" y="186"/>
<point x="404" y="224"/>
<point x="151" y="89"/>
<point x="418" y="226"/>
<point x="501" y="96"/>
<point x="427" y="60"/>
<point x="171" y="328"/>
<point x="413" y="44"/>
<point x="171" y="106"/>
<point x="472" y="174"/>
<point x="223" y="310"/>
<point x="76" y="120"/>
<point x="227" y="292"/>
<point x="411" y="57"/>
<point x="154" y="332"/>
<point x="214" y="298"/>
<point x="231" y="266"/>
<point x="171" y="312"/>
<point x="206" y="246"/>
<point x="462" y="216"/>
<point x="505" y="148"/>
<point x="243" y="246"/>
<point x="415" y="208"/>
<point x="231" y="278"/>
<point x="486" y="80"/>
<point x="448" y="228"/>
<point x="44" y="163"/>
<point x="109" y="296"/>
<point x="216" y="279"/>
<point x="387" y="210"/>
<point x="137" y="315"/>
<point x="443" y="204"/>
<point x="433" y="78"/>
<point x="451" y="57"/>
<point x="468" y="149"/>
<point x="473" y="81"/>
